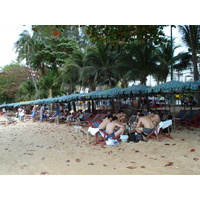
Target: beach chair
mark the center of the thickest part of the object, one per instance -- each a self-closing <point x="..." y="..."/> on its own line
<point x="94" y="124"/>
<point x="157" y="133"/>
<point x="96" y="117"/>
<point x="188" y="117"/>
<point x="106" y="135"/>
<point x="86" y="136"/>
<point x="180" y="116"/>
<point x="10" y="120"/>
<point x="194" y="120"/>
<point x="92" y="132"/>
<point x="102" y="116"/>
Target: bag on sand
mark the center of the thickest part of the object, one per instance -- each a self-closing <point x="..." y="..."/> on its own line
<point x="135" y="137"/>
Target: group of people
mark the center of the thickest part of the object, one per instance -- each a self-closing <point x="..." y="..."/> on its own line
<point x="113" y="124"/>
<point x="147" y="123"/>
<point x="191" y="101"/>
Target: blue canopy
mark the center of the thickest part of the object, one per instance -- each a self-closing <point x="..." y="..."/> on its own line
<point x="110" y="93"/>
<point x="171" y="86"/>
<point x="135" y="89"/>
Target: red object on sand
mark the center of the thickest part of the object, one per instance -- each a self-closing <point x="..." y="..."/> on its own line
<point x="192" y="150"/>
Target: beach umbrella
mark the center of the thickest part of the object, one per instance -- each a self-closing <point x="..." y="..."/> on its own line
<point x="135" y="89"/>
<point x="194" y="85"/>
<point x="171" y="86"/>
<point x="91" y="95"/>
<point x="110" y="93"/>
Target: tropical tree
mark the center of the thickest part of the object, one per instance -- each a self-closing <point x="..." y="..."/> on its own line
<point x="25" y="47"/>
<point x="76" y="32"/>
<point x="69" y="74"/>
<point x="142" y="61"/>
<point x="26" y="91"/>
<point x="49" y="85"/>
<point x="191" y="38"/>
<point x="101" y="61"/>
<point x="53" y="52"/>
<point x="10" y="80"/>
<point x="126" y="34"/>
<point x="165" y="59"/>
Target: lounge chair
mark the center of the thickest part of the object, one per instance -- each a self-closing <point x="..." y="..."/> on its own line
<point x="91" y="133"/>
<point x="194" y="120"/>
<point x="188" y="117"/>
<point x="180" y="116"/>
<point x="106" y="135"/>
<point x="94" y="124"/>
<point x="157" y="133"/>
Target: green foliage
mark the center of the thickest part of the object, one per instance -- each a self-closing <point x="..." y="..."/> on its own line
<point x="53" y="52"/>
<point x="10" y="80"/>
<point x="126" y="34"/>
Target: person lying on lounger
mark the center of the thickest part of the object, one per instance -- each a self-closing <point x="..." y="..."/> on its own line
<point x="144" y="125"/>
<point x="111" y="127"/>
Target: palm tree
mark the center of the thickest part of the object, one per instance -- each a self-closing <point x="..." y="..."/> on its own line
<point x="191" y="38"/>
<point x="142" y="61"/>
<point x="26" y="91"/>
<point x="25" y="47"/>
<point x="69" y="74"/>
<point x="165" y="60"/>
<point x="101" y="60"/>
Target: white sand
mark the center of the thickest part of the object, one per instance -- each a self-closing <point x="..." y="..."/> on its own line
<point x="46" y="148"/>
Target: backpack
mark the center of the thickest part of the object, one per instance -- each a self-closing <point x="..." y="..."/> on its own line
<point x="135" y="137"/>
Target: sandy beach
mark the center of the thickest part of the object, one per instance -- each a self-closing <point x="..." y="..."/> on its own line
<point x="33" y="148"/>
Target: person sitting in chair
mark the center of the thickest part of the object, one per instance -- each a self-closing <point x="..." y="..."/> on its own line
<point x="144" y="125"/>
<point x="104" y="123"/>
<point x="111" y="128"/>
<point x="155" y="118"/>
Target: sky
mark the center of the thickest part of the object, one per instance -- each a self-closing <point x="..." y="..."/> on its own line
<point x="9" y="34"/>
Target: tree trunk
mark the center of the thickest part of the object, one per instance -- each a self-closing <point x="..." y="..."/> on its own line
<point x="194" y="53"/>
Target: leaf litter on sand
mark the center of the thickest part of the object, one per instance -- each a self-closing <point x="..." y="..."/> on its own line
<point x="91" y="163"/>
<point x="169" y="164"/>
<point x="44" y="173"/>
<point x="131" y="167"/>
<point x="195" y="159"/>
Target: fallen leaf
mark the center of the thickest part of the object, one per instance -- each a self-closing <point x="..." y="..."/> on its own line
<point x="136" y="151"/>
<point x="104" y="165"/>
<point x="78" y="160"/>
<point x="43" y="158"/>
<point x="192" y="150"/>
<point x="166" y="144"/>
<point x="132" y="162"/>
<point x="67" y="160"/>
<point x="142" y="166"/>
<point x="169" y="164"/>
<point x="131" y="167"/>
<point x="145" y="155"/>
<point x="44" y="173"/>
<point x="91" y="163"/>
<point x="195" y="159"/>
